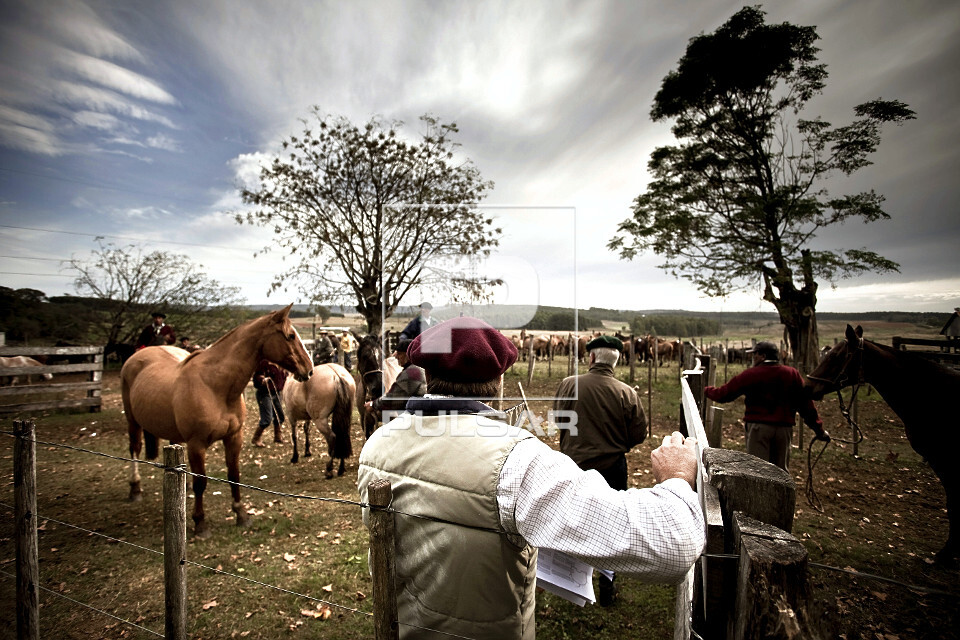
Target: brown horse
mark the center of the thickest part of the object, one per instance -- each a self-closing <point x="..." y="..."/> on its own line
<point x="197" y="398"/>
<point x="326" y="397"/>
<point x="921" y="392"/>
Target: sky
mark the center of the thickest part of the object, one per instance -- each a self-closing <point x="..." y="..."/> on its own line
<point x="137" y="121"/>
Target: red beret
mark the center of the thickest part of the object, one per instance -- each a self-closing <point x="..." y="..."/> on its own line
<point x="463" y="350"/>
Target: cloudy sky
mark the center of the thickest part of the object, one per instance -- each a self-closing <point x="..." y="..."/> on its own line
<point x="136" y="120"/>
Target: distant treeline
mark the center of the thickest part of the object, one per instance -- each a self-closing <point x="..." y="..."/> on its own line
<point x="675" y="325"/>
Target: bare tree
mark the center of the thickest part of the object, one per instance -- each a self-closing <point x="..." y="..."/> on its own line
<point x="130" y="284"/>
<point x="368" y="215"/>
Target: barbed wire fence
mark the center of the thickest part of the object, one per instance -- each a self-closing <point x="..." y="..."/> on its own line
<point x="28" y="519"/>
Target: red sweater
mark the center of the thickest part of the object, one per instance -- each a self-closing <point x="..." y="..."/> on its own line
<point x="774" y="394"/>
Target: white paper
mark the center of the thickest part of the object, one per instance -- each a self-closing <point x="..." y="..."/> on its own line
<point x="565" y="576"/>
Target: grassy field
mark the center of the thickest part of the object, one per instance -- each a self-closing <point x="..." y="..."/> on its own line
<point x="883" y="514"/>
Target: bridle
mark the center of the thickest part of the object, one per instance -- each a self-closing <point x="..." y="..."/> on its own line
<point x="837" y="384"/>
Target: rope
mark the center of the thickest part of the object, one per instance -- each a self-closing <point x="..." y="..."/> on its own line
<point x="811" y="493"/>
<point x="83" y="604"/>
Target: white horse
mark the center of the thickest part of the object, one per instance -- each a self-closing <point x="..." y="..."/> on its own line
<point x="11" y="362"/>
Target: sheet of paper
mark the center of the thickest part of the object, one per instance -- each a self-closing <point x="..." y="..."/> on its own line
<point x="565" y="576"/>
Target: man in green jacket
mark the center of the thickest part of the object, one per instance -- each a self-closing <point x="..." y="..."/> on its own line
<point x="609" y="422"/>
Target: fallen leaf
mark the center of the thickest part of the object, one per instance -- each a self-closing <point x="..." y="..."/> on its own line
<point x="882" y="597"/>
<point x="361" y="596"/>
<point x="328" y="588"/>
<point x="209" y="605"/>
<point x="289" y="557"/>
<point x="322" y="534"/>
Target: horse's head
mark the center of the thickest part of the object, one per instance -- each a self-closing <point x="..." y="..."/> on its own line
<point x="282" y="345"/>
<point x="840" y="367"/>
<point x="370" y="365"/>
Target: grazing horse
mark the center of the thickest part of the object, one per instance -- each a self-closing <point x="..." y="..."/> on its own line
<point x="369" y="359"/>
<point x="20" y="362"/>
<point x="326" y="397"/>
<point x="920" y="392"/>
<point x="197" y="398"/>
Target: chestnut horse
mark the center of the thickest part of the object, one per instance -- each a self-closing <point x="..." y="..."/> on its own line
<point x="326" y="397"/>
<point x="921" y="392"/>
<point x="197" y="398"/>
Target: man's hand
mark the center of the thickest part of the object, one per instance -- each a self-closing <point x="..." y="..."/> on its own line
<point x="676" y="457"/>
<point x="823" y="435"/>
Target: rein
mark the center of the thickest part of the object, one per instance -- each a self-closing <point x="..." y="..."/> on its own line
<point x="837" y="383"/>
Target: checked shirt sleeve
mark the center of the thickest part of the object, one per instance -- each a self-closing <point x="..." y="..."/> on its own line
<point x="654" y="534"/>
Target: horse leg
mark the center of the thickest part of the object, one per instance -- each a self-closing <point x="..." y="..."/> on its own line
<point x="232" y="445"/>
<point x="324" y="427"/>
<point x="293" y="433"/>
<point x="197" y="457"/>
<point x="343" y="467"/>
<point x="950" y="479"/>
<point x="136" y="444"/>
<point x="306" y="439"/>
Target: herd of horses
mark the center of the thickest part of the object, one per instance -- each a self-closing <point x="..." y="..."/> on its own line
<point x="197" y="399"/>
<point x="645" y="347"/>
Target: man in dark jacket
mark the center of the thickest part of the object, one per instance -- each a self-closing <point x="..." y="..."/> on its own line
<point x="157" y="333"/>
<point x="268" y="380"/>
<point x="421" y="323"/>
<point x="773" y="395"/>
<point x="324" y="351"/>
<point x="411" y="382"/>
<point x="609" y="422"/>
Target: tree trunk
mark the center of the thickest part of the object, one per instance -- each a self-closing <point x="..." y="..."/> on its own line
<point x="798" y="314"/>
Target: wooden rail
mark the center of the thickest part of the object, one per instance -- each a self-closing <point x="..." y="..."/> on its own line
<point x="91" y="387"/>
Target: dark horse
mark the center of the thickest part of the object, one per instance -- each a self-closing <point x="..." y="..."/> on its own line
<point x="370" y="368"/>
<point x="197" y="398"/>
<point x="921" y="392"/>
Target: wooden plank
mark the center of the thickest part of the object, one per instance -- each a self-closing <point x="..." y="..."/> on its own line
<point x="50" y="351"/>
<point x="57" y="387"/>
<point x="46" y="406"/>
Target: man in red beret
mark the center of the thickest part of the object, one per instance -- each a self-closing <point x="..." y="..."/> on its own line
<point x="492" y="494"/>
<point x="610" y="422"/>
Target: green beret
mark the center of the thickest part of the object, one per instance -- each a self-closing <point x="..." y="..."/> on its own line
<point x="605" y="342"/>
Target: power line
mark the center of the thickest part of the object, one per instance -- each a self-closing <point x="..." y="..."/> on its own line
<point x="132" y="238"/>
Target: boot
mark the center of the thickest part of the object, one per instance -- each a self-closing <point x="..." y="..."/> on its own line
<point x="608" y="592"/>
<point x="258" y="437"/>
<point x="277" y="436"/>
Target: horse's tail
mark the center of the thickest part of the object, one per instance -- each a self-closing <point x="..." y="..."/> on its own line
<point x="151" y="445"/>
<point x="340" y="421"/>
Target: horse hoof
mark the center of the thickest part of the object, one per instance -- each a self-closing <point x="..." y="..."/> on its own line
<point x="202" y="532"/>
<point x="244" y="522"/>
<point x="307" y="454"/>
<point x="294" y="459"/>
<point x="136" y="497"/>
<point x="135" y="493"/>
<point x="328" y="475"/>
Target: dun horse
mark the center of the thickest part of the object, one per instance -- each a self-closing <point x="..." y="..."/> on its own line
<point x="326" y="397"/>
<point x="921" y="392"/>
<point x="369" y="358"/>
<point x="197" y="398"/>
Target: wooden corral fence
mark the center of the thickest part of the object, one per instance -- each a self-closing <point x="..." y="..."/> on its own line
<point x="752" y="580"/>
<point x="85" y="360"/>
<point x="945" y="351"/>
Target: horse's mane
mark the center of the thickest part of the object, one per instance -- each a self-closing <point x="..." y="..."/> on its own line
<point x="914" y="359"/>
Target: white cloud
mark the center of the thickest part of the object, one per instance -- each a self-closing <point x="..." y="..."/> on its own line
<point x="114" y="77"/>
<point x="95" y="120"/>
<point x="161" y="141"/>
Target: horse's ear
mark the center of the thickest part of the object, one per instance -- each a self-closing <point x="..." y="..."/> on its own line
<point x="859" y="331"/>
<point x="282" y="314"/>
<point x="853" y="335"/>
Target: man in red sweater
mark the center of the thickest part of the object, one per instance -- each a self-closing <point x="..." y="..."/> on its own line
<point x="774" y="394"/>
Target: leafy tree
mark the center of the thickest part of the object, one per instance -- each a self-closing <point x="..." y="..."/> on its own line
<point x="740" y="198"/>
<point x="368" y="215"/>
<point x="131" y="284"/>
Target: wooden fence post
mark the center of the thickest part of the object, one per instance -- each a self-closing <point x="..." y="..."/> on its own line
<point x="550" y="357"/>
<point x="773" y="592"/>
<point x="531" y="361"/>
<point x="25" y="513"/>
<point x="383" y="561"/>
<point x="174" y="543"/>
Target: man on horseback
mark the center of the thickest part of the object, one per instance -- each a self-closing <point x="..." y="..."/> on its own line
<point x="268" y="380"/>
<point x="773" y="396"/>
<point x="421" y="323"/>
<point x="450" y="457"/>
<point x="157" y="333"/>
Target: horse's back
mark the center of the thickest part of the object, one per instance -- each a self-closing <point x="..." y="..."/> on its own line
<point x="148" y="380"/>
<point x="321" y="390"/>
